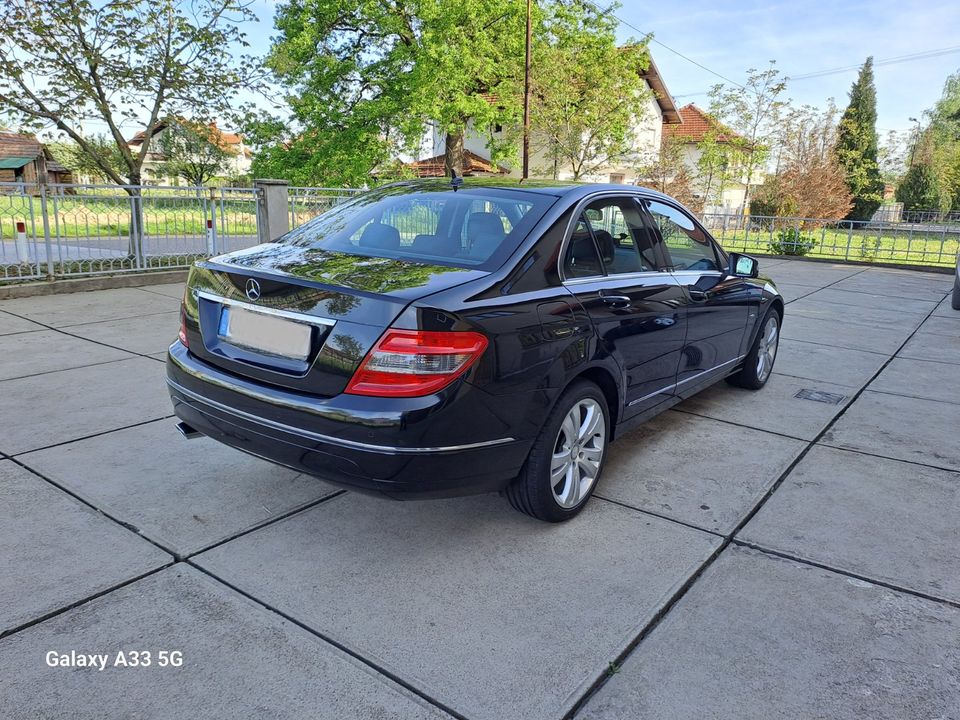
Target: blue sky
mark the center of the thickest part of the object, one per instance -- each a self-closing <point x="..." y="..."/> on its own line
<point x="805" y="37"/>
<point x="802" y="36"/>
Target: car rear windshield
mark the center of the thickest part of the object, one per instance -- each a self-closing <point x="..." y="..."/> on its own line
<point x="472" y="228"/>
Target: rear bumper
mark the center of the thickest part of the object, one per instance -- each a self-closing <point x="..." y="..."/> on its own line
<point x="400" y="447"/>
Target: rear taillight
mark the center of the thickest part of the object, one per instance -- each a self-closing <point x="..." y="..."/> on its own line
<point x="411" y="363"/>
<point x="182" y="335"/>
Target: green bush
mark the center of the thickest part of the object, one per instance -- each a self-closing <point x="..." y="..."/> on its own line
<point x="792" y="242"/>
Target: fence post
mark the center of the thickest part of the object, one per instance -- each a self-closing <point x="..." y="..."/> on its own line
<point x="47" y="243"/>
<point x="273" y="219"/>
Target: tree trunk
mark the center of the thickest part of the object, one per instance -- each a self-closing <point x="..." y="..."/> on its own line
<point x="453" y="159"/>
<point x="135" y="240"/>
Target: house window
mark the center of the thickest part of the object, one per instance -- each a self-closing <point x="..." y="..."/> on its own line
<point x="617" y="178"/>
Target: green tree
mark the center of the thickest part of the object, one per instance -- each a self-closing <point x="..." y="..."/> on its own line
<point x="588" y="93"/>
<point x="364" y="77"/>
<point x="857" y="146"/>
<point x="115" y="61"/>
<point x="192" y="151"/>
<point x="940" y="146"/>
<point x="71" y="155"/>
<point x="918" y="189"/>
<point x="751" y="111"/>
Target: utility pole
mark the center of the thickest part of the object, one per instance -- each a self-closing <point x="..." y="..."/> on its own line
<point x="916" y="140"/>
<point x="526" y="97"/>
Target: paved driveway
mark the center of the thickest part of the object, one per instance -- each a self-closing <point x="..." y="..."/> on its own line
<point x="788" y="553"/>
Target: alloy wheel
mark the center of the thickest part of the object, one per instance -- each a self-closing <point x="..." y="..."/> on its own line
<point x="767" y="347"/>
<point x="578" y="452"/>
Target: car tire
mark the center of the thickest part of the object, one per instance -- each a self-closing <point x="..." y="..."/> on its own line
<point x="758" y="365"/>
<point x="955" y="299"/>
<point x="550" y="488"/>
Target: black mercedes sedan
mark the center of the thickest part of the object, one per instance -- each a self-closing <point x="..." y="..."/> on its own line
<point x="431" y="339"/>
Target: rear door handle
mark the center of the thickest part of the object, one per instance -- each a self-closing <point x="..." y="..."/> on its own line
<point x="616" y="300"/>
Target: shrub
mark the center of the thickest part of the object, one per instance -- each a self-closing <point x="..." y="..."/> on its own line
<point x="792" y="242"/>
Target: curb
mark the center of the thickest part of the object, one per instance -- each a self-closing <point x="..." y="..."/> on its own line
<point x="106" y="282"/>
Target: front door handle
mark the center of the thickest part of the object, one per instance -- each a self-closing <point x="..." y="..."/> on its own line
<point x="616" y="300"/>
<point x="698" y="295"/>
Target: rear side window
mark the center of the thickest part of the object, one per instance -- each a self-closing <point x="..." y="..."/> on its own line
<point x="474" y="227"/>
<point x="622" y="237"/>
<point x="581" y="258"/>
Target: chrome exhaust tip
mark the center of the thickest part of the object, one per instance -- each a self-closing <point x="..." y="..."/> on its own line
<point x="188" y="432"/>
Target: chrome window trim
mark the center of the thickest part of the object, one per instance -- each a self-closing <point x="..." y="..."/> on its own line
<point x="619" y="276"/>
<point x="283" y="427"/>
<point x="568" y="233"/>
<point x="288" y="314"/>
<point x="675" y="385"/>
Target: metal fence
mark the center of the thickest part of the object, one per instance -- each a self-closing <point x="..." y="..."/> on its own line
<point x="901" y="243"/>
<point x="61" y="230"/>
<point x="56" y="230"/>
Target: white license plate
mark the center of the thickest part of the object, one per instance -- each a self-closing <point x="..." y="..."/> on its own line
<point x="265" y="333"/>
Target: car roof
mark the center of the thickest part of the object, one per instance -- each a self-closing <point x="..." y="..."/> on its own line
<point x="558" y="188"/>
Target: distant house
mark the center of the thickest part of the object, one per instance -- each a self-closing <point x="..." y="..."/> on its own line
<point x="24" y="159"/>
<point x="660" y="111"/>
<point x="238" y="163"/>
<point x="695" y="126"/>
<point x="474" y="164"/>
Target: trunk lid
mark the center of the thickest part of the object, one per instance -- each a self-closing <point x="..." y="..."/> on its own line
<point x="301" y="318"/>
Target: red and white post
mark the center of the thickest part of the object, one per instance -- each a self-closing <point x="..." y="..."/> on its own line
<point x="23" y="250"/>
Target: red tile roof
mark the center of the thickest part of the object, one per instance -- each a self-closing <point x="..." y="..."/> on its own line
<point x="696" y="124"/>
<point x="434" y="167"/>
<point x="227" y="139"/>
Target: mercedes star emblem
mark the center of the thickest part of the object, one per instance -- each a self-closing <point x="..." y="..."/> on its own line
<point x="253" y="289"/>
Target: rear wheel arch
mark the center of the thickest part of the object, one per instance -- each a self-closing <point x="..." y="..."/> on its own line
<point x="602" y="378"/>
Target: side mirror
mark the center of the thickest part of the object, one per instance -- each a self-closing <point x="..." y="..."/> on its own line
<point x="743" y="266"/>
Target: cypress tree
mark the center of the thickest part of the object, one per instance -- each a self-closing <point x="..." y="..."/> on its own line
<point x="857" y="146"/>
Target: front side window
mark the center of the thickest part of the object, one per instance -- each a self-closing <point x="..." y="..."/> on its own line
<point x="688" y="245"/>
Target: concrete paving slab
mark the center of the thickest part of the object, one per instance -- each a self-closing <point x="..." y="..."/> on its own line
<point x="174" y="290"/>
<point x="882" y="519"/>
<point x="903" y="428"/>
<point x="57" y="551"/>
<point x="843" y="334"/>
<point x="932" y="345"/>
<point x="945" y="309"/>
<point x="904" y="285"/>
<point x="811" y="274"/>
<point x="758" y="637"/>
<point x="184" y="494"/>
<point x="854" y="298"/>
<point x="144" y="335"/>
<point x="494" y="614"/>
<point x="33" y="353"/>
<point x="71" y="404"/>
<point x="86" y="307"/>
<point x="873" y="317"/>
<point x="823" y="362"/>
<point x="920" y="378"/>
<point x="772" y="408"/>
<point x="238" y="661"/>
<point x="670" y="466"/>
<point x="792" y="292"/>
<point x="10" y="324"/>
<point x="942" y="325"/>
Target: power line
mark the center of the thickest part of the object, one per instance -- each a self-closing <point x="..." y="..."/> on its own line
<point x="651" y="38"/>
<point x="887" y="61"/>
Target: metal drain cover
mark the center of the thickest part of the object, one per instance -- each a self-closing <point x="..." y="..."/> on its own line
<point x="820" y="396"/>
